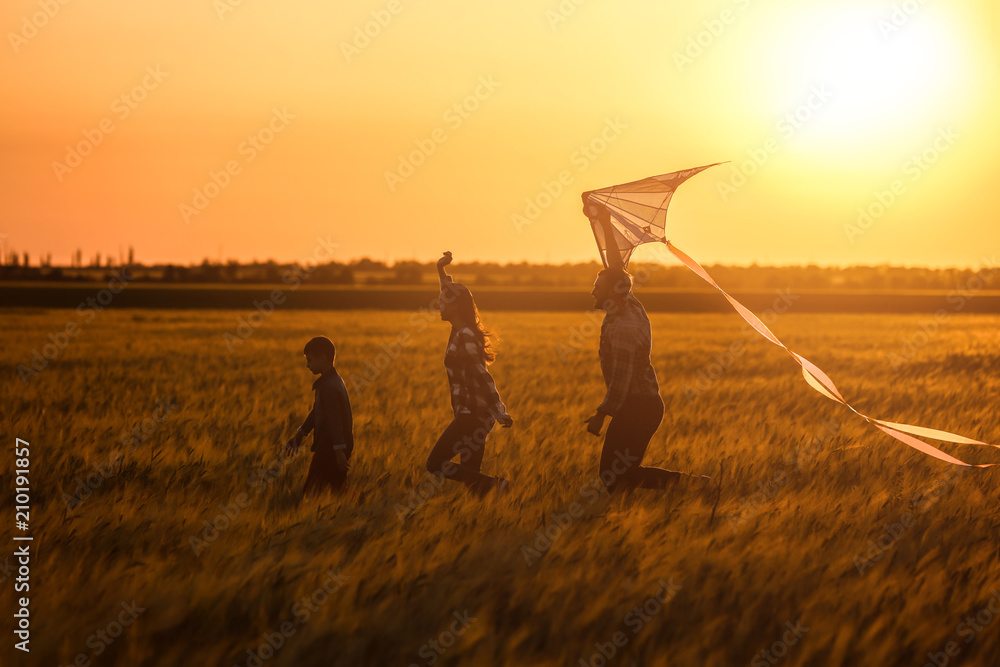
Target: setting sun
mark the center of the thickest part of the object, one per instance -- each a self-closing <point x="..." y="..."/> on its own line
<point x="889" y="74"/>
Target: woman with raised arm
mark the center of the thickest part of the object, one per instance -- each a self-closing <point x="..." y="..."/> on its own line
<point x="475" y="401"/>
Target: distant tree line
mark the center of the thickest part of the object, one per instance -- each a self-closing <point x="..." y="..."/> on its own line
<point x="18" y="267"/>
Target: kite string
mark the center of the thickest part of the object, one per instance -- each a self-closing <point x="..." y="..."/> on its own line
<point x="822" y="383"/>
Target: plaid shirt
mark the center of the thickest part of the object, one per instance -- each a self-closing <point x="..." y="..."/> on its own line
<point x="472" y="388"/>
<point x="626" y="340"/>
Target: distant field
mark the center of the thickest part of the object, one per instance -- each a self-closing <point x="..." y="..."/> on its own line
<point x="832" y="545"/>
<point x="963" y="299"/>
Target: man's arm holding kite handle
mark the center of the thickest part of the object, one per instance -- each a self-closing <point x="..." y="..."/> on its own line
<point x="614" y="256"/>
<point x="593" y="210"/>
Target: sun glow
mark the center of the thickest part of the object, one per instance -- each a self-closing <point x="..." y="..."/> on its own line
<point x="817" y="105"/>
<point x="888" y="73"/>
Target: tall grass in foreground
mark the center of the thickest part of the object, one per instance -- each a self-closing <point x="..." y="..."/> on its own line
<point x="824" y="523"/>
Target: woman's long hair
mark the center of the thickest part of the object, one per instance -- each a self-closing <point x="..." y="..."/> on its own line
<point x="469" y="314"/>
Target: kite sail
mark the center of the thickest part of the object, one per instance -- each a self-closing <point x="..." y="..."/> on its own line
<point x="631" y="214"/>
<point x="638" y="210"/>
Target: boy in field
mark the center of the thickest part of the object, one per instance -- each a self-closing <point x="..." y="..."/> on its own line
<point x="330" y="420"/>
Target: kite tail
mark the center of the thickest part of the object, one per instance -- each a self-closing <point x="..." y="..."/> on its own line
<point x="819" y="381"/>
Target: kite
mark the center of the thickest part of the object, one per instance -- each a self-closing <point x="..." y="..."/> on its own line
<point x="639" y="212"/>
<point x="628" y="215"/>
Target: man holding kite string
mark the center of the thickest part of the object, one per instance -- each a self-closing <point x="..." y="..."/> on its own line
<point x="633" y="395"/>
<point x="622" y="218"/>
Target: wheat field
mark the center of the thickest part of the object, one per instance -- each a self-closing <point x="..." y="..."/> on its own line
<point x="169" y="530"/>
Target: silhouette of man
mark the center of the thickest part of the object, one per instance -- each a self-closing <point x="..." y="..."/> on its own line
<point x="633" y="395"/>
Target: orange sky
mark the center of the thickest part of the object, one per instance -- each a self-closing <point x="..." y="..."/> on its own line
<point x="824" y="108"/>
